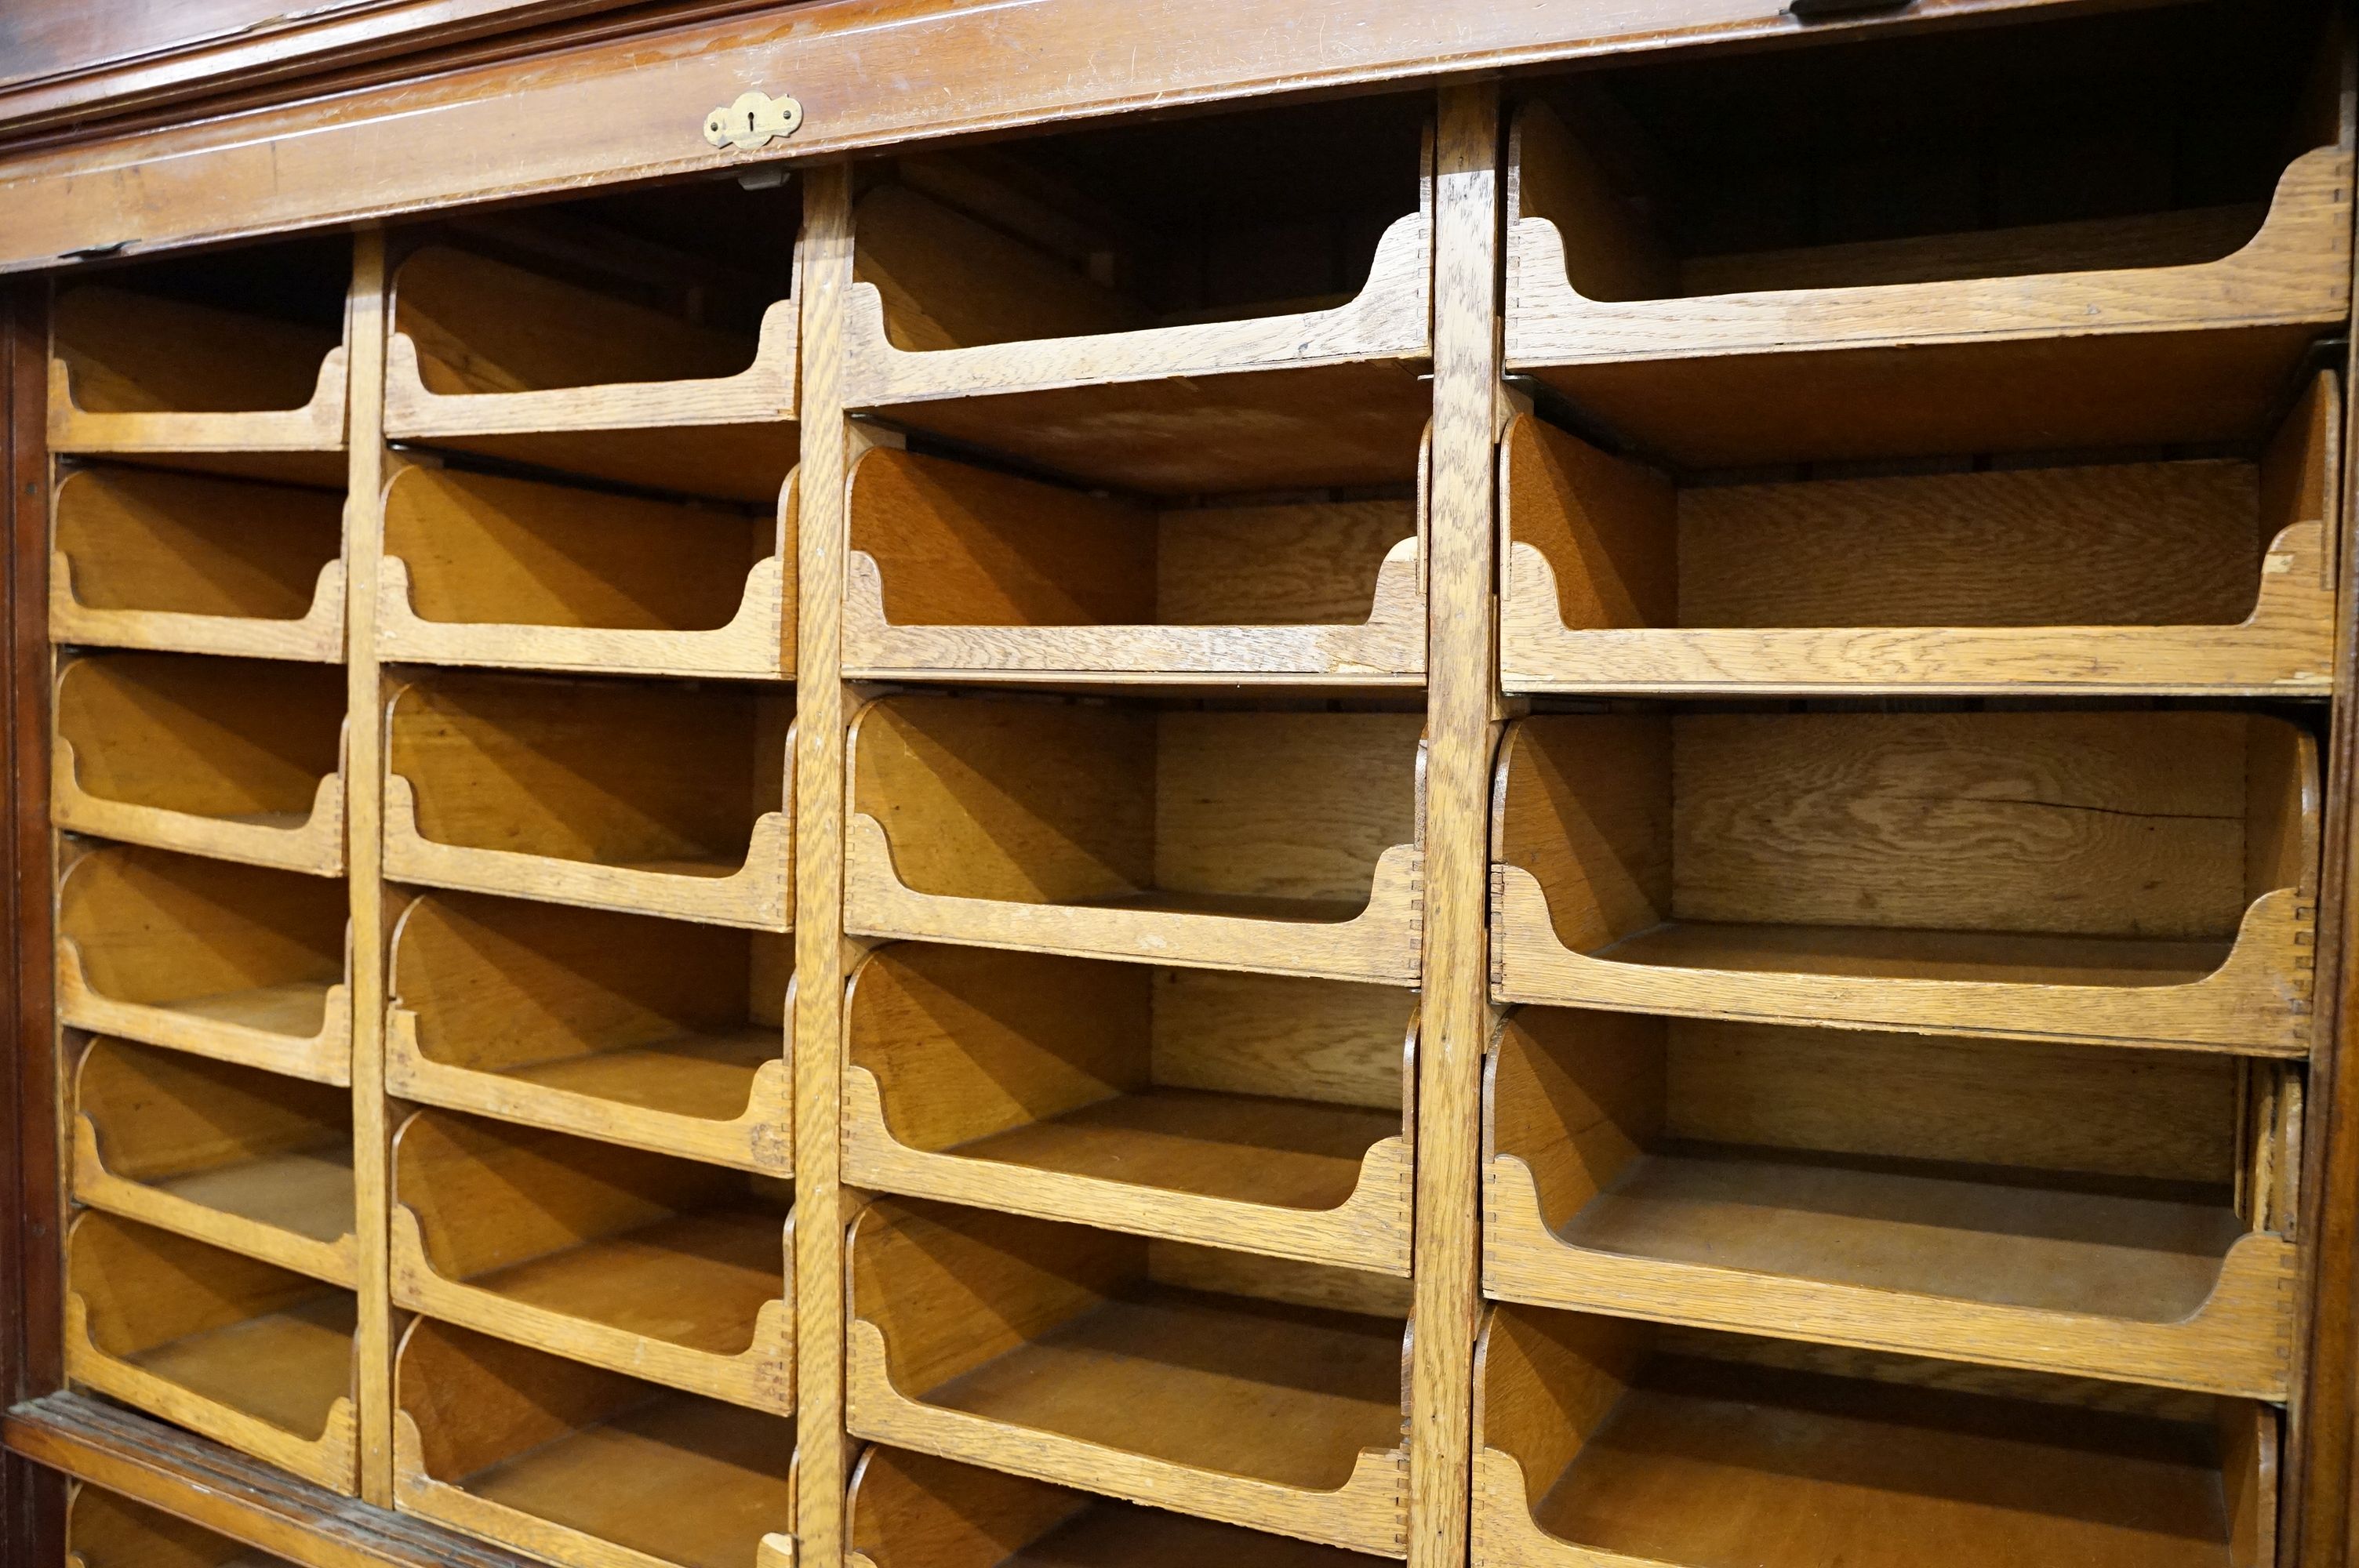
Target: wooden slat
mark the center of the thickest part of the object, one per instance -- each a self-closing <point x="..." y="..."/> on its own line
<point x="867" y="72"/>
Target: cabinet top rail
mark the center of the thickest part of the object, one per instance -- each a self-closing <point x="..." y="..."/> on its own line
<point x="867" y="72"/>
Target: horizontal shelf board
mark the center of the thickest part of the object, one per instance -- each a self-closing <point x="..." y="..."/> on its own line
<point x="747" y="462"/>
<point x="1249" y="1148"/>
<point x="307" y="1193"/>
<point x="2146" y="1258"/>
<point x="1877" y="953"/>
<point x="707" y="1076"/>
<point x="691" y="1280"/>
<point x="287" y="1367"/>
<point x="1303" y="1389"/>
<point x="297" y="1008"/>
<point x="328" y="469"/>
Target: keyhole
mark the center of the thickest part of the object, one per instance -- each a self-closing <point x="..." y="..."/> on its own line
<point x="749" y="122"/>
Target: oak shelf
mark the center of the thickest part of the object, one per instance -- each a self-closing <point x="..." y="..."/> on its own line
<point x="1705" y="272"/>
<point x="581" y="1466"/>
<point x="233" y="962"/>
<point x="669" y="1269"/>
<point x="1273" y="1115"/>
<point x="186" y="563"/>
<point x="2056" y="1208"/>
<point x="647" y="796"/>
<point x="957" y="569"/>
<point x="103" y="1530"/>
<point x="1252" y="1390"/>
<point x="233" y="1156"/>
<point x="1115" y="297"/>
<point x="2197" y="576"/>
<point x="913" y="1510"/>
<point x="1286" y="842"/>
<point x="551" y="361"/>
<point x="239" y="1350"/>
<point x="480" y="569"/>
<point x="2121" y="878"/>
<point x="662" y="1034"/>
<point x="1604" y="1444"/>
<point x="236" y="759"/>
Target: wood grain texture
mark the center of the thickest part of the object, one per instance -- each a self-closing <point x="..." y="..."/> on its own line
<point x="1992" y="946"/>
<point x="232" y="758"/>
<point x="583" y="1465"/>
<point x="1601" y="1447"/>
<point x="144" y="558"/>
<point x="229" y="383"/>
<point x="103" y="1530"/>
<point x="520" y="574"/>
<point x="246" y="1353"/>
<point x="664" y="1035"/>
<point x="244" y="1160"/>
<point x="1049" y="1351"/>
<point x="1142" y="1101"/>
<point x="239" y="964"/>
<point x="2114" y="579"/>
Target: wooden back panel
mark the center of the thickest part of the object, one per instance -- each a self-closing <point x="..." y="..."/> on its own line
<point x="211" y="736"/>
<point x="146" y="1287"/>
<point x="140" y="353"/>
<point x="904" y="1508"/>
<point x="496" y="983"/>
<point x="161" y="1114"/>
<point x="159" y="927"/>
<point x="147" y="539"/>
<point x="1329" y="1041"/>
<point x="477" y="1400"/>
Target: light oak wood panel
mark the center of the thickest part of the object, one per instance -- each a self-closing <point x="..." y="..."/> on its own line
<point x="104" y="1531"/>
<point x="913" y="1510"/>
<point x="242" y="1158"/>
<point x="223" y="960"/>
<point x="580" y="1466"/>
<point x="1253" y="1392"/>
<point x="2195" y="576"/>
<point x="662" y="1034"/>
<point x="499" y="359"/>
<point x="1802" y="366"/>
<point x="241" y="1351"/>
<point x="236" y="759"/>
<point x="516" y="573"/>
<point x="666" y="1269"/>
<point x="141" y="373"/>
<point x="948" y="305"/>
<point x="144" y="559"/>
<point x="610" y="794"/>
<point x="1273" y="1115"/>
<point x="956" y="568"/>
<point x="1284" y="842"/>
<point x="1648" y="1167"/>
<point x="1600" y="1443"/>
<point x="2137" y="878"/>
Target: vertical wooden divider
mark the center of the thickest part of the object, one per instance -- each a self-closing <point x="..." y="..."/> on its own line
<point x="1460" y="683"/>
<point x="364" y="796"/>
<point x="819" y="960"/>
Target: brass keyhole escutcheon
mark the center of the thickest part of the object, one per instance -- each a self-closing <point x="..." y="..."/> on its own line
<point x="753" y="120"/>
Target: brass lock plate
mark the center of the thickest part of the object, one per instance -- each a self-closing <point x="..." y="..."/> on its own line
<point x="753" y="120"/>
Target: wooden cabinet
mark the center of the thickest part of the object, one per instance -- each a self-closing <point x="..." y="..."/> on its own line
<point x="1480" y="790"/>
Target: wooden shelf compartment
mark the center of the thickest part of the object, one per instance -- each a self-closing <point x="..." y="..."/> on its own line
<point x="955" y="569"/>
<point x="1282" y="841"/>
<point x="661" y="799"/>
<point x="1703" y="262"/>
<point x="238" y="963"/>
<point x="1600" y="1442"/>
<point x="666" y="1269"/>
<point x="1265" y="273"/>
<point x="913" y="1510"/>
<point x="482" y="569"/>
<point x="236" y="759"/>
<point x="104" y="1531"/>
<point x="2210" y="576"/>
<point x="212" y="361"/>
<point x="662" y="1034"/>
<point x="236" y="1349"/>
<point x="1271" y="1114"/>
<point x="2118" y="878"/>
<point x="186" y="563"/>
<point x="2066" y="1208"/>
<point x="647" y="338"/>
<point x="242" y="1158"/>
<point x="1257" y="1391"/>
<point x="580" y="1466"/>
